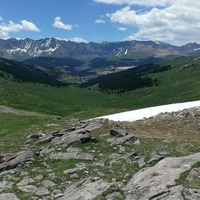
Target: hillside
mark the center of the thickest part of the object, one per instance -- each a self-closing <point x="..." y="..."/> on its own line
<point x="64" y="159"/>
<point x="21" y="72"/>
<point x="179" y="74"/>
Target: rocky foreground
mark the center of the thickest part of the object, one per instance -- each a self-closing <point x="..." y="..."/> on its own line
<point x="152" y="159"/>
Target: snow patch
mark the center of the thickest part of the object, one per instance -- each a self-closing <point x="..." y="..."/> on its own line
<point x="37" y="50"/>
<point x="119" y="52"/>
<point x="197" y="49"/>
<point x="139" y="114"/>
<point x="197" y="58"/>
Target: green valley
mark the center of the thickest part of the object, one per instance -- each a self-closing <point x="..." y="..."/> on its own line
<point x="179" y="82"/>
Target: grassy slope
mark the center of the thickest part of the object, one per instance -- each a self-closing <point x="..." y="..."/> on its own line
<point x="14" y="130"/>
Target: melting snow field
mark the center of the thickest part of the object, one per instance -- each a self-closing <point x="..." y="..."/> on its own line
<point x="134" y="115"/>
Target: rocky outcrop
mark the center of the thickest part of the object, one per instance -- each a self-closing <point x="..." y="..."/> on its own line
<point x="158" y="182"/>
<point x="66" y="138"/>
<point x="121" y="137"/>
<point x="11" y="160"/>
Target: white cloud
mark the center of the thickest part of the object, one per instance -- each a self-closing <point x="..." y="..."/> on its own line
<point x="59" y="24"/>
<point x="149" y="3"/>
<point x="11" y="27"/>
<point x="78" y="39"/>
<point x="122" y="28"/>
<point x="177" y="23"/>
<point x="1" y="19"/>
<point x="74" y="39"/>
<point x="100" y="21"/>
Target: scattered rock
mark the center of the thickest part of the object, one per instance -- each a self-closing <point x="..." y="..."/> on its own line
<point x="152" y="183"/>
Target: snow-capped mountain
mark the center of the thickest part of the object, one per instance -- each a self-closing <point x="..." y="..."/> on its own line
<point x="28" y="48"/>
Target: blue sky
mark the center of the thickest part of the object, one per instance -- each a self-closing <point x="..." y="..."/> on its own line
<point x="171" y="21"/>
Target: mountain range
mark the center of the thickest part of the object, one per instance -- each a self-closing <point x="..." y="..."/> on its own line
<point x="51" y="47"/>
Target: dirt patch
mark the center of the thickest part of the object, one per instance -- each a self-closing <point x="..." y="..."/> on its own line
<point x="6" y="109"/>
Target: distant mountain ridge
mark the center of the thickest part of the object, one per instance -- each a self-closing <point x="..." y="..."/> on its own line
<point x="28" y="48"/>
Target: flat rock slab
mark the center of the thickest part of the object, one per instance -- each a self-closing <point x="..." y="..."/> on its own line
<point x="8" y="196"/>
<point x="128" y="139"/>
<point x="72" y="155"/>
<point x="4" y="185"/>
<point x="64" y="139"/>
<point x="93" y="124"/>
<point x="86" y="190"/>
<point x="153" y="182"/>
<point x="74" y="170"/>
<point x="34" y="190"/>
<point x="25" y="181"/>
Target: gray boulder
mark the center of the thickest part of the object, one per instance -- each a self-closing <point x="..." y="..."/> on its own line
<point x="121" y="137"/>
<point x="74" y="137"/>
<point x="8" y="196"/>
<point x="74" y="170"/>
<point x="64" y="139"/>
<point x="154" y="182"/>
<point x="191" y="194"/>
<point x="118" y="133"/>
<point x="4" y="185"/>
<point x="12" y="160"/>
<point x="25" y="181"/>
<point x="128" y="139"/>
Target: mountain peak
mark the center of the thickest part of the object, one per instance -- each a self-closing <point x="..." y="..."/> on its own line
<point x="28" y="48"/>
